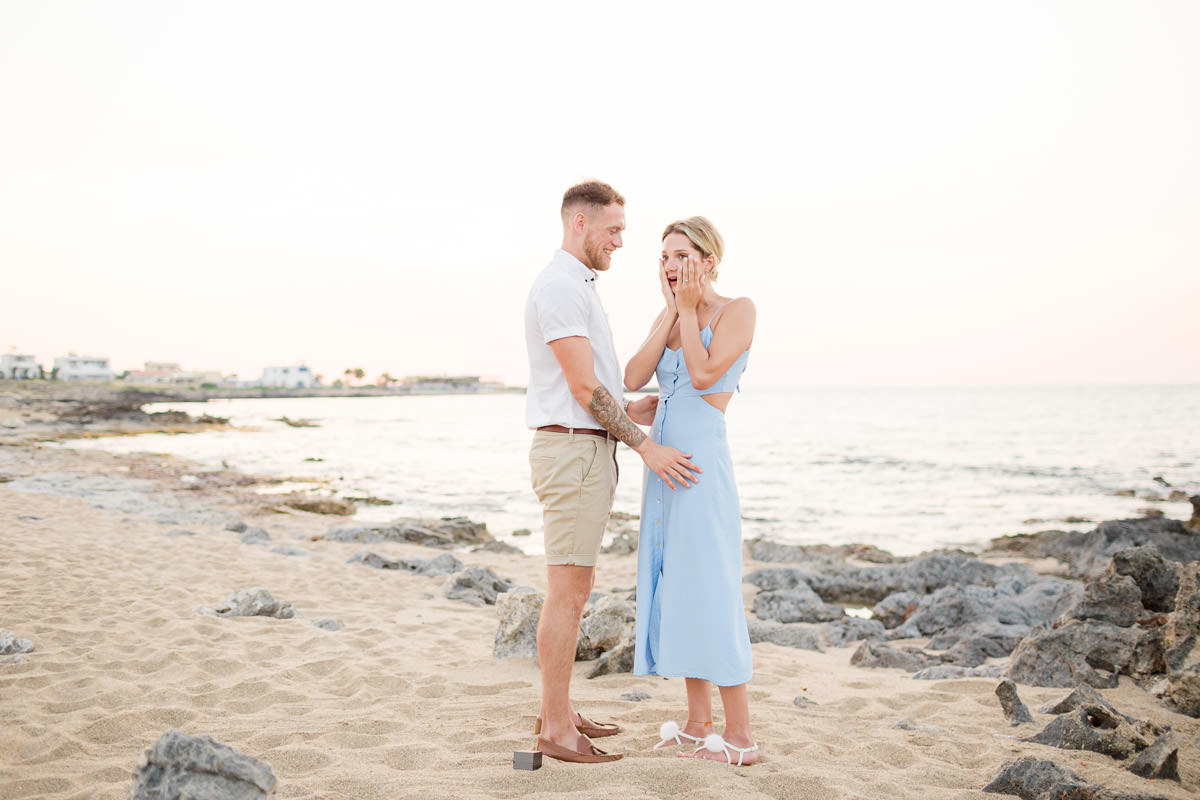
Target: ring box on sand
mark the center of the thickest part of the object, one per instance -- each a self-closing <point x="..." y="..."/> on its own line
<point x="527" y="759"/>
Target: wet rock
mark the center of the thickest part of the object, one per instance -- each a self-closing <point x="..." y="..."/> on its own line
<point x="182" y="766"/>
<point x="613" y="661"/>
<point x="10" y="645"/>
<point x="446" y="533"/>
<point x="1094" y="728"/>
<point x="329" y="624"/>
<point x="895" y="609"/>
<point x="1014" y="710"/>
<point x="1157" y="579"/>
<point x="1036" y="779"/>
<point x="799" y="604"/>
<point x="800" y="635"/>
<point x="256" y="602"/>
<point x="607" y="625"/>
<point x="519" y="610"/>
<point x="847" y="630"/>
<point x="1158" y="761"/>
<point x="478" y="586"/>
<point x="878" y="654"/>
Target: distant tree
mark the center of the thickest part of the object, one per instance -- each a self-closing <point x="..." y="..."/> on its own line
<point x="353" y="374"/>
<point x="385" y="380"/>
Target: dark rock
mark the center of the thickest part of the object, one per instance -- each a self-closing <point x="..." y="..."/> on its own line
<point x="1010" y="603"/>
<point x="1095" y="728"/>
<point x="799" y="604"/>
<point x="519" y="610"/>
<point x="1035" y="779"/>
<point x="1115" y="599"/>
<point x="607" y="625"/>
<point x="446" y="533"/>
<point x="1182" y="630"/>
<point x="993" y="639"/>
<point x="613" y="661"/>
<point x="800" y="635"/>
<point x="838" y="582"/>
<point x="973" y="651"/>
<point x="909" y="659"/>
<point x="237" y="527"/>
<point x="478" y="586"/>
<point x="1158" y="761"/>
<point x="10" y="645"/>
<point x="1157" y="579"/>
<point x="765" y="550"/>
<point x="896" y="608"/>
<point x="1014" y="710"/>
<point x="1193" y="524"/>
<point x="182" y="766"/>
<point x="1086" y="555"/>
<point x="847" y="630"/>
<point x="1183" y="690"/>
<point x="1085" y="651"/>
<point x="441" y="564"/>
<point x="1080" y="696"/>
<point x="522" y="532"/>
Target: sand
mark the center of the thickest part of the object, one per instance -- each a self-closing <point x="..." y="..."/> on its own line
<point x="407" y="700"/>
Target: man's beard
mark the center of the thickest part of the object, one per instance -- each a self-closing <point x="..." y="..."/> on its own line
<point x="597" y="259"/>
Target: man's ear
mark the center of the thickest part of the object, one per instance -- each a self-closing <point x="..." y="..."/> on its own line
<point x="578" y="221"/>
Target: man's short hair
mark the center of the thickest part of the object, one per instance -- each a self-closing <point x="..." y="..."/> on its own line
<point x="590" y="196"/>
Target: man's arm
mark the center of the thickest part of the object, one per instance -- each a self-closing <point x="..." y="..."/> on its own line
<point x="574" y="355"/>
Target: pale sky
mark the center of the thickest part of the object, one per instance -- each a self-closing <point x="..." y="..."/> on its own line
<point x="913" y="193"/>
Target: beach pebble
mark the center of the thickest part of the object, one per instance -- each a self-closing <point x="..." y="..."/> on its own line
<point x="255" y="535"/>
<point x="636" y="696"/>
<point x="329" y="624"/>
<point x="522" y="532"/>
<point x="288" y="550"/>
<point x="804" y="702"/>
<point x="237" y="526"/>
<point x="908" y="725"/>
<point x="179" y="532"/>
<point x="178" y="765"/>
<point x="11" y="645"/>
<point x="516" y="634"/>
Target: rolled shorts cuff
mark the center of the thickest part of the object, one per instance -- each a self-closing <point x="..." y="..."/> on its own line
<point x="571" y="559"/>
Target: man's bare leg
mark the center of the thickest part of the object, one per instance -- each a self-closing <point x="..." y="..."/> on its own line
<point x="567" y="590"/>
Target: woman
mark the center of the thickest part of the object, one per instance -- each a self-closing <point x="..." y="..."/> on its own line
<point x="690" y="619"/>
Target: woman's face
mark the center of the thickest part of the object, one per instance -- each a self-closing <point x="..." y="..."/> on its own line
<point x="676" y="250"/>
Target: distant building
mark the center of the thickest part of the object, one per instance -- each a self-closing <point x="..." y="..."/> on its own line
<point x="292" y="377"/>
<point x="168" y="373"/>
<point x="83" y="368"/>
<point x="14" y="366"/>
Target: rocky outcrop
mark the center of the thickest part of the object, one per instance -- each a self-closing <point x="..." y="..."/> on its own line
<point x="1095" y="728"/>
<point x="1086" y="555"/>
<point x="179" y="766"/>
<point x="446" y="533"/>
<point x="802" y="636"/>
<point x="909" y="659"/>
<point x="797" y="604"/>
<point x="441" y="564"/>
<point x="606" y="625"/>
<point x="1036" y="779"/>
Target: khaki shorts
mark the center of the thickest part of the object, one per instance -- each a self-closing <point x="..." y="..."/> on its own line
<point x="574" y="476"/>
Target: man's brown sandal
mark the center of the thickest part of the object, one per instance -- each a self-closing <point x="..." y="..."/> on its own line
<point x="589" y="728"/>
<point x="594" y="756"/>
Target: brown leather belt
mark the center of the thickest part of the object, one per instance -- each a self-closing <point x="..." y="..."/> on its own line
<point x="589" y="431"/>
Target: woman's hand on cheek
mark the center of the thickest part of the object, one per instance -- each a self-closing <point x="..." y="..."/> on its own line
<point x="690" y="286"/>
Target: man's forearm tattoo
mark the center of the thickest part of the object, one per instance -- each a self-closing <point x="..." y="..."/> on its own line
<point x="608" y="413"/>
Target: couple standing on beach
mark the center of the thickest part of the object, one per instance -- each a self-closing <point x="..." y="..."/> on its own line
<point x="690" y="619"/>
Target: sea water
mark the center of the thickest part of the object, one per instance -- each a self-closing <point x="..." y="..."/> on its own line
<point x="906" y="470"/>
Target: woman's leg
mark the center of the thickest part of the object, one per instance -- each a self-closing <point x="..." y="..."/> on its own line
<point x="699" y="714"/>
<point x="736" y="702"/>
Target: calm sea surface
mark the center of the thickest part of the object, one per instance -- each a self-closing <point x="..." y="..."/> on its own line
<point x="904" y="469"/>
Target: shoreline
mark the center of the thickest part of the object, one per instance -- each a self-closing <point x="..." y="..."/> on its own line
<point x="110" y="557"/>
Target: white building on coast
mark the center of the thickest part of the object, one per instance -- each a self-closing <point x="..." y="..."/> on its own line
<point x="290" y="377"/>
<point x="18" y="366"/>
<point x="72" y="367"/>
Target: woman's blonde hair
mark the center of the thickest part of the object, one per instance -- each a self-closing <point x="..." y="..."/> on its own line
<point x="704" y="237"/>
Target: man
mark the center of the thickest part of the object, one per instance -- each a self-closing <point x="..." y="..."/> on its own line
<point x="573" y="403"/>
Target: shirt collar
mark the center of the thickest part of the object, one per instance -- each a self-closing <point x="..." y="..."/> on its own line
<point x="574" y="266"/>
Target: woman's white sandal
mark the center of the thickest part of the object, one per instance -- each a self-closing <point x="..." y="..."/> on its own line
<point x="670" y="733"/>
<point x="713" y="743"/>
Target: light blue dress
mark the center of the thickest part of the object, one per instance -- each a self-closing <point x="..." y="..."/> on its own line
<point x="691" y="622"/>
